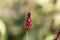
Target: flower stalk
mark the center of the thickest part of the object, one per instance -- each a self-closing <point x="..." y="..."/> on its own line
<point x="28" y="24"/>
<point x="58" y="35"/>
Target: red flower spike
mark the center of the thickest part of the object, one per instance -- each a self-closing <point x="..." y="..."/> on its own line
<point x="28" y="21"/>
<point x="58" y="35"/>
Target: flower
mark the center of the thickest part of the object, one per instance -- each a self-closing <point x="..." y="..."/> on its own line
<point x="28" y="21"/>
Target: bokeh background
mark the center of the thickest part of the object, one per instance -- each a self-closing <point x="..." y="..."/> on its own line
<point x="45" y="19"/>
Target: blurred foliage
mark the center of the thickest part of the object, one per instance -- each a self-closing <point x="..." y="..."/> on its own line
<point x="13" y="14"/>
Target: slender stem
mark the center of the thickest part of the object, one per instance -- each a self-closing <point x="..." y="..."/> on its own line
<point x="58" y="35"/>
<point x="52" y="25"/>
<point x="27" y="35"/>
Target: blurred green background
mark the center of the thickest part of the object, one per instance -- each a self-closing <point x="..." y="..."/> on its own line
<point x="13" y="15"/>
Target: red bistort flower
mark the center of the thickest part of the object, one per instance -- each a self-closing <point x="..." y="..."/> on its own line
<point x="28" y="21"/>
